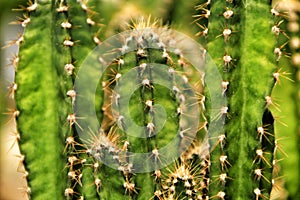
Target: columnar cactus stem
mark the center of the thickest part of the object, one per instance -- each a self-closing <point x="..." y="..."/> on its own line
<point x="65" y="72"/>
<point x="144" y="76"/>
<point x="244" y="54"/>
<point x="40" y="92"/>
<point x="78" y="13"/>
<point x="59" y="42"/>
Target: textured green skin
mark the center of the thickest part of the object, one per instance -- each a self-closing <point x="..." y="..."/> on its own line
<point x="81" y="33"/>
<point x="83" y="37"/>
<point x="38" y="98"/>
<point x="50" y="83"/>
<point x="250" y="80"/>
<point x="215" y="47"/>
<point x="257" y="63"/>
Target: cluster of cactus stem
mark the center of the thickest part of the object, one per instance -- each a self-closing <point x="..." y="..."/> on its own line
<point x="244" y="39"/>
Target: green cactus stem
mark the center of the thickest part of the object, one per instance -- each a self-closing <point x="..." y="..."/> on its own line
<point x="40" y="98"/>
<point x="139" y="91"/>
<point x="45" y="72"/>
<point x="242" y="45"/>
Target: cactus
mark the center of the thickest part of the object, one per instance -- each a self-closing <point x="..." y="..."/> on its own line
<point x="169" y="127"/>
<point x="288" y="131"/>
<point x="247" y="143"/>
